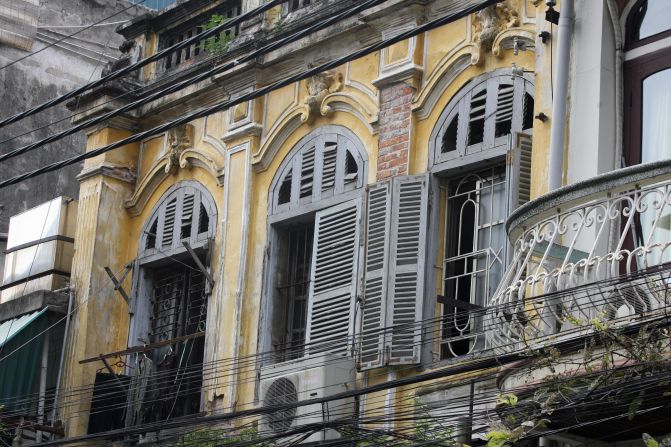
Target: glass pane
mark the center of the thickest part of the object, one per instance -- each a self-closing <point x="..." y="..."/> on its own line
<point x="652" y="18"/>
<point x="656" y="127"/>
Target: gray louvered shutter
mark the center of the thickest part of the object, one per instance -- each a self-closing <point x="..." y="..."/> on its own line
<point x="333" y="280"/>
<point x="406" y="271"/>
<point x="169" y="223"/>
<point x="378" y="223"/>
<point x="518" y="175"/>
<point x="518" y="171"/>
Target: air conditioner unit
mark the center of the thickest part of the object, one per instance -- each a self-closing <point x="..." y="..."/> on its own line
<point x="307" y="378"/>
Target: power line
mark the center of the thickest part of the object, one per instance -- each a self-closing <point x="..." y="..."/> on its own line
<point x="141" y="63"/>
<point x="256" y="93"/>
<point x="33" y="53"/>
<point x="340" y="15"/>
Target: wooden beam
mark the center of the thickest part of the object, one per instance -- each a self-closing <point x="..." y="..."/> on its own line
<point x="117" y="283"/>
<point x="199" y="264"/>
<point x="143" y="348"/>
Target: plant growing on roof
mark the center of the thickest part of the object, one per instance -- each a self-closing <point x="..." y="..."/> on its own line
<point x="219" y="44"/>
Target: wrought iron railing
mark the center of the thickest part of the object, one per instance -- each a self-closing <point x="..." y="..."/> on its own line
<point x="578" y="255"/>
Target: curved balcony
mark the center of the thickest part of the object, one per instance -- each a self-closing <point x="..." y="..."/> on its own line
<point x="590" y="253"/>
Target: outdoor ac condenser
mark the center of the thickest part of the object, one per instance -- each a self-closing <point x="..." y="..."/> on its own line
<point x="303" y="379"/>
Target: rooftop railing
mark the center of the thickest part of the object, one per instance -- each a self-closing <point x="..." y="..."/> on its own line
<point x="580" y="256"/>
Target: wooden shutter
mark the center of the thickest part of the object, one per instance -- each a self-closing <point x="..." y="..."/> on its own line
<point x="518" y="171"/>
<point x="406" y="270"/>
<point x="378" y="223"/>
<point x="333" y="278"/>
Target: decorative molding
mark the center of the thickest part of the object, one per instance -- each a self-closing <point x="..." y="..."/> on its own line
<point x="180" y="138"/>
<point x="275" y="138"/>
<point x="106" y="169"/>
<point x="347" y="102"/>
<point x="318" y="87"/>
<point x="147" y="186"/>
<point x="442" y="76"/>
<point x="506" y="40"/>
<point x="359" y="85"/>
<point x="489" y="22"/>
<point x="190" y="158"/>
<point x="251" y="129"/>
<point x="412" y="72"/>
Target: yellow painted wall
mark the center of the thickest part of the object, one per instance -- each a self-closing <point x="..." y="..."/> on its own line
<point x="238" y="172"/>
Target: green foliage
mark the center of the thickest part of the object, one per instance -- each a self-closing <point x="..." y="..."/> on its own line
<point x="652" y="442"/>
<point x="507" y="399"/>
<point x="216" y="44"/>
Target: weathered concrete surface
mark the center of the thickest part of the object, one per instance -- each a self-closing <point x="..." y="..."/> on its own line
<point x="41" y="77"/>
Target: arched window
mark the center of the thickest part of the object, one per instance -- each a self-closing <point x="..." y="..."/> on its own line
<point x="649" y="20"/>
<point x="184" y="214"/>
<point x="481" y="118"/>
<point x="324" y="164"/>
<point x="647" y="74"/>
<point x="315" y="214"/>
<point x="170" y="301"/>
<point x="481" y="149"/>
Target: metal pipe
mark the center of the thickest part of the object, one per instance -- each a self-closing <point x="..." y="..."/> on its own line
<point x="560" y="95"/>
<point x="62" y="359"/>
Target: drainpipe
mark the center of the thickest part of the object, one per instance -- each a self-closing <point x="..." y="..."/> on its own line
<point x="62" y="359"/>
<point x="560" y="95"/>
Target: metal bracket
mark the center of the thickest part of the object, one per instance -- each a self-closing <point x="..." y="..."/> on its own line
<point x="199" y="264"/>
<point x="118" y="283"/>
<point x="111" y="371"/>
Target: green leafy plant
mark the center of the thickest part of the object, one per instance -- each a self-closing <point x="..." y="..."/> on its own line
<point x="209" y="437"/>
<point x="216" y="44"/>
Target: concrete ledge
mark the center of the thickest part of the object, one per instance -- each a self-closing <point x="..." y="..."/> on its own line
<point x="57" y="302"/>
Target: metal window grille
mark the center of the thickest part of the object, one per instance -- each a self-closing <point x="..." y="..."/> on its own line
<point x="474" y="256"/>
<point x="294" y="287"/>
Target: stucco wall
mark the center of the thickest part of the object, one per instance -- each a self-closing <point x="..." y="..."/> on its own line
<point x="43" y="76"/>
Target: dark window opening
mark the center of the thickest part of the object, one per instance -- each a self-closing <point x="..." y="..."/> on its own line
<point x="476" y="125"/>
<point x="351" y="168"/>
<point x="179" y="309"/>
<point x="151" y="235"/>
<point x="203" y="220"/>
<point x="528" y="112"/>
<point x="293" y="287"/>
<point x="450" y="136"/>
<point x="284" y="194"/>
<point x="187" y="217"/>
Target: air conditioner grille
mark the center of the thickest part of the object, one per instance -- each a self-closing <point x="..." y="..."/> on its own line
<point x="282" y="391"/>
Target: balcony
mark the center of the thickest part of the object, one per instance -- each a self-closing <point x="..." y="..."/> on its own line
<point x="589" y="254"/>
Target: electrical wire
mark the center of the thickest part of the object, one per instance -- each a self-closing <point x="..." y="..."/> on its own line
<point x="172" y="88"/>
<point x="141" y="63"/>
<point x="6" y="121"/>
<point x="443" y="20"/>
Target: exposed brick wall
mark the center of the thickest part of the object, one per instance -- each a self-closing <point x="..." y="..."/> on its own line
<point x="394" y="130"/>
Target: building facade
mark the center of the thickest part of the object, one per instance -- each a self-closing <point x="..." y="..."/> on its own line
<point x="383" y="226"/>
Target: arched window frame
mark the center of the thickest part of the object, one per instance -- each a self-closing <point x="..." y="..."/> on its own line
<point x="643" y="58"/>
<point x="154" y="235"/>
<point x="461" y="106"/>
<point x="306" y="219"/>
<point x="631" y="41"/>
<point x="311" y="149"/>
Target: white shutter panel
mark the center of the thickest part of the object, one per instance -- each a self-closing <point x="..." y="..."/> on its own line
<point x="375" y="283"/>
<point x="406" y="272"/>
<point x="335" y="260"/>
